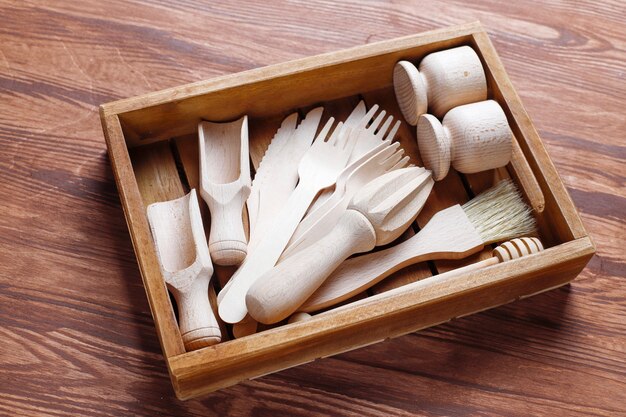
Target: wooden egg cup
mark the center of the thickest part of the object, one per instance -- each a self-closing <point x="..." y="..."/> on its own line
<point x="473" y="137"/>
<point x="445" y="79"/>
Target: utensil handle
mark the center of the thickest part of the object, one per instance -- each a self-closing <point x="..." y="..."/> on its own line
<point x="448" y="235"/>
<point x="227" y="239"/>
<point x="232" y="307"/>
<point x="198" y="326"/>
<point x="280" y="291"/>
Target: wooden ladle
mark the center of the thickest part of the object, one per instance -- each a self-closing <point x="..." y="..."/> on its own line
<point x="186" y="266"/>
<point x="225" y="186"/>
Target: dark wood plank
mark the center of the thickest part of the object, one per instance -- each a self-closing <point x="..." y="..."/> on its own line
<point x="77" y="336"/>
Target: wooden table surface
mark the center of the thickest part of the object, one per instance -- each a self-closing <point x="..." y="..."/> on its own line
<point x="76" y="335"/>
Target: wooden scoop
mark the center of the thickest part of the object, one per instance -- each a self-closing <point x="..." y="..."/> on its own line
<point x="377" y="215"/>
<point x="473" y="138"/>
<point x="445" y="79"/>
<point x="225" y="186"/>
<point x="186" y="266"/>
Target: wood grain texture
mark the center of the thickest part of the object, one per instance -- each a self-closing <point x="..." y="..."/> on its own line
<point x="77" y="335"/>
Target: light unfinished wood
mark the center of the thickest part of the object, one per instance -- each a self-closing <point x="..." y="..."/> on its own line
<point x="377" y="215"/>
<point x="472" y="138"/>
<point x="445" y="79"/>
<point x="266" y="92"/>
<point x="277" y="173"/>
<point x="186" y="266"/>
<point x="321" y="220"/>
<point x="376" y="318"/>
<point x="298" y="316"/>
<point x="453" y="233"/>
<point x="225" y="186"/>
<point x="319" y="168"/>
<point x="352" y="120"/>
<point x="187" y="152"/>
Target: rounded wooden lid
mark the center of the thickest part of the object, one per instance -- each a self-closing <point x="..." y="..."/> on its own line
<point x="434" y="146"/>
<point x="410" y="91"/>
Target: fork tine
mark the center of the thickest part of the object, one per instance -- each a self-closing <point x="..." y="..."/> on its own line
<point x="368" y="116"/>
<point x="384" y="127"/>
<point x="385" y="153"/>
<point x="349" y="141"/>
<point x="393" y="131"/>
<point x="324" y="132"/>
<point x="377" y="121"/>
<point x="400" y="164"/>
<point x="337" y="134"/>
<point x="393" y="159"/>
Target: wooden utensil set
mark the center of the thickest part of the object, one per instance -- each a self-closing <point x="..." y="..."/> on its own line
<point x="318" y="198"/>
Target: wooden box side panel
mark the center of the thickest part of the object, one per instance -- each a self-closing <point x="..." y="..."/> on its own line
<point x="158" y="299"/>
<point x="371" y="320"/>
<point x="271" y="90"/>
<point x="560" y="220"/>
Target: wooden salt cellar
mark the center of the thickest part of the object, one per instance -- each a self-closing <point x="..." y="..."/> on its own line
<point x="445" y="79"/>
<point x="473" y="138"/>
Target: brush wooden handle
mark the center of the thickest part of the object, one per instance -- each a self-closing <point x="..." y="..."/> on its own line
<point x="198" y="326"/>
<point x="473" y="138"/>
<point x="448" y="235"/>
<point x="455" y="278"/>
<point x="445" y="79"/>
<point x="283" y="289"/>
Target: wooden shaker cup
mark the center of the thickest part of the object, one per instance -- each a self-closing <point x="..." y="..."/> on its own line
<point x="445" y="79"/>
<point x="473" y="137"/>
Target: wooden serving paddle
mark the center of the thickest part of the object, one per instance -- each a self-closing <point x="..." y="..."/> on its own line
<point x="186" y="266"/>
<point x="377" y="215"/>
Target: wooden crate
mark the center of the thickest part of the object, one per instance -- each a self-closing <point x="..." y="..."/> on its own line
<point x="152" y="146"/>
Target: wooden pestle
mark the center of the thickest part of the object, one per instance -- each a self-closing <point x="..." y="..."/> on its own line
<point x="473" y="137"/>
<point x="377" y="215"/>
<point x="445" y="79"/>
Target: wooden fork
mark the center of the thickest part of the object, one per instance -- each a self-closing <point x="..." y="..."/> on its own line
<point x="369" y="138"/>
<point x="318" y="169"/>
<point x="384" y="158"/>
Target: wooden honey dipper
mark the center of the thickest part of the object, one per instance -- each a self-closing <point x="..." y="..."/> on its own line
<point x="473" y="137"/>
<point x="445" y="79"/>
<point x="377" y="215"/>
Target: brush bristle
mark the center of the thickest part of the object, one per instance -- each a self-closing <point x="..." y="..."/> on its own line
<point x="500" y="214"/>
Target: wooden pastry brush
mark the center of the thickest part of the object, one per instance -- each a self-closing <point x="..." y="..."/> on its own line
<point x="496" y="215"/>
